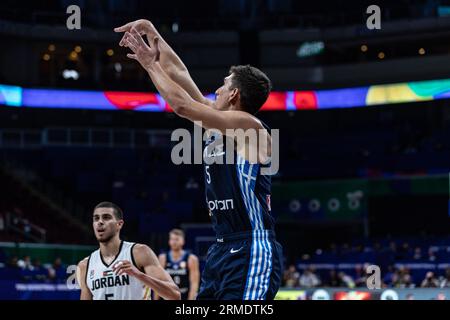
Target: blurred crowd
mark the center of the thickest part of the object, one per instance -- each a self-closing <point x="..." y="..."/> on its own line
<point x="394" y="278"/>
<point x="27" y="269"/>
<point x="418" y="263"/>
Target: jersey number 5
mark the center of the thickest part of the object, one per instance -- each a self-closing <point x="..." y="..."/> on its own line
<point x="208" y="178"/>
<point x="108" y="296"/>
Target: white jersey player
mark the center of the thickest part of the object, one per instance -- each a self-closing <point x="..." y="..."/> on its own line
<point x="121" y="270"/>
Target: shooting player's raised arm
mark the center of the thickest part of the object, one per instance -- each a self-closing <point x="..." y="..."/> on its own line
<point x="171" y="63"/>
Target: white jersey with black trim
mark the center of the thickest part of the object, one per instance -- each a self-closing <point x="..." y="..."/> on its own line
<point x="104" y="284"/>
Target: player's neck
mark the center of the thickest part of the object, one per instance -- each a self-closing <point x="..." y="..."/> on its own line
<point x="234" y="107"/>
<point x="110" y="248"/>
<point x="177" y="253"/>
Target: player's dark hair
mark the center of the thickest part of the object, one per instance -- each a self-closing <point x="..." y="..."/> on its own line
<point x="254" y="86"/>
<point x="177" y="232"/>
<point x="117" y="211"/>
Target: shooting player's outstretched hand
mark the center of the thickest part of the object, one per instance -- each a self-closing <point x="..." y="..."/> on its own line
<point x="142" y="26"/>
<point x="143" y="53"/>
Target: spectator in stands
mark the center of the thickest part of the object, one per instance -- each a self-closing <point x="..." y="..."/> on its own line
<point x="404" y="279"/>
<point x="391" y="276"/>
<point x="445" y="280"/>
<point x="57" y="272"/>
<point x="26" y="268"/>
<point x="309" y="279"/>
<point x="39" y="273"/>
<point x="360" y="276"/>
<point x="333" y="280"/>
<point x="430" y="281"/>
<point x="25" y="263"/>
<point x="431" y="255"/>
<point x="345" y="280"/>
<point x="291" y="277"/>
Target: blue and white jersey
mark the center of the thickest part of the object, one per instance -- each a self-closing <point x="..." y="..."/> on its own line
<point x="237" y="194"/>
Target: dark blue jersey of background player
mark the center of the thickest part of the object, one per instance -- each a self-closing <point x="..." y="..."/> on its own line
<point x="181" y="265"/>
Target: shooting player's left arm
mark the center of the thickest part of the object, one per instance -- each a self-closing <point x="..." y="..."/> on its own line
<point x="154" y="275"/>
<point x="178" y="98"/>
<point x="185" y="106"/>
<point x="194" y="276"/>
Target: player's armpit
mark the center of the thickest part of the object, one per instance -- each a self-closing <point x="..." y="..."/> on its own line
<point x="81" y="279"/>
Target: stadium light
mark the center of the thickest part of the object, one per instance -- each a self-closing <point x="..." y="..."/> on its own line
<point x="308" y="49"/>
<point x="70" y="74"/>
<point x="73" y="56"/>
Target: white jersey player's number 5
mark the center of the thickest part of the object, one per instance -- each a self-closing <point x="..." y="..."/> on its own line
<point x="109" y="296"/>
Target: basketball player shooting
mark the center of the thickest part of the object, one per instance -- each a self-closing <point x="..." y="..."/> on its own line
<point x="246" y="261"/>
<point x="121" y="270"/>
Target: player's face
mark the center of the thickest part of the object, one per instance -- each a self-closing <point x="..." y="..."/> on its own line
<point x="176" y="242"/>
<point x="225" y="94"/>
<point x="105" y="224"/>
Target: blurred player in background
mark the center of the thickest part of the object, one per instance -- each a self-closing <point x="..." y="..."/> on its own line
<point x="246" y="261"/>
<point x="182" y="265"/>
<point x="121" y="270"/>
